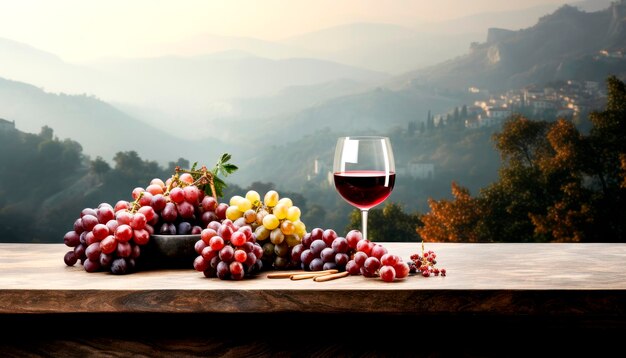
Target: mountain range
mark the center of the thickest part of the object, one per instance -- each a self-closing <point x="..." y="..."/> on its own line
<point x="99" y="127"/>
<point x="564" y="45"/>
<point x="235" y="101"/>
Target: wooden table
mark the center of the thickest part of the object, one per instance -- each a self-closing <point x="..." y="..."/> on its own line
<point x="504" y="288"/>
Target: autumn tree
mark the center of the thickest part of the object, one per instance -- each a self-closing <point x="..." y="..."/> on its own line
<point x="555" y="184"/>
<point x="452" y="220"/>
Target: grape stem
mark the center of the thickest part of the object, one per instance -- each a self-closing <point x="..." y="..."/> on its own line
<point x="134" y="206"/>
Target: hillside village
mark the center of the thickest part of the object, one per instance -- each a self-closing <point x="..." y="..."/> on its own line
<point x="563" y="100"/>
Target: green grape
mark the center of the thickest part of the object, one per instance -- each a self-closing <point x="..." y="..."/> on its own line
<point x="293" y="213"/>
<point x="277" y="236"/>
<point x="280" y="262"/>
<point x="286" y="201"/>
<point x="262" y="233"/>
<point x="271" y="198"/>
<point x="233" y="213"/>
<point x="292" y="240"/>
<point x="287" y="227"/>
<point x="235" y="200"/>
<point x="260" y="215"/>
<point x="268" y="249"/>
<point x="254" y="198"/>
<point x="281" y="250"/>
<point x="270" y="221"/>
<point x="244" y="205"/>
<point x="300" y="228"/>
<point x="280" y="210"/>
<point x="250" y="216"/>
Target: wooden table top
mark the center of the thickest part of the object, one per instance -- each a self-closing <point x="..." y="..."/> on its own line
<point x="517" y="279"/>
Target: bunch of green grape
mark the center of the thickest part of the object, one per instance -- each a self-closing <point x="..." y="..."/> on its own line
<point x="275" y="221"/>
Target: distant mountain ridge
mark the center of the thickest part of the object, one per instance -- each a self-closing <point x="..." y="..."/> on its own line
<point x="99" y="127"/>
<point x="566" y="44"/>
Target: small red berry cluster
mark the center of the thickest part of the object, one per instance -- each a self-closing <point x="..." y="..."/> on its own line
<point x="425" y="264"/>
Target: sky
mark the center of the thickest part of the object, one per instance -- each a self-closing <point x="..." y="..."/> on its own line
<point x="79" y="30"/>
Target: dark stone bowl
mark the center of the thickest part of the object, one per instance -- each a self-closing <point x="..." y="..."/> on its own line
<point x="175" y="246"/>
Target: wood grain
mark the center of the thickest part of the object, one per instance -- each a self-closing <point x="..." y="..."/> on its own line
<point x="510" y="279"/>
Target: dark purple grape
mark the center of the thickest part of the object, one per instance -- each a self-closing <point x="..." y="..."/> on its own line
<point x="296" y="252"/>
<point x="184" y="228"/>
<point x="196" y="230"/>
<point x="307" y="240"/>
<point x="258" y="251"/>
<point x="89" y="221"/>
<point x="200" y="264"/>
<point x="93" y="252"/>
<point x="222" y="270"/>
<point x="316" y="265"/>
<point x="105" y="260"/>
<point x="136" y="252"/>
<point x="317" y="246"/>
<point x="371" y="264"/>
<point x="258" y="266"/>
<point x="209" y="216"/>
<point x="88" y="211"/>
<point x="78" y="226"/>
<point x="329" y="236"/>
<point x="169" y="213"/>
<point x="226" y="254"/>
<point x="317" y="234"/>
<point x="328" y="255"/>
<point x="79" y="251"/>
<point x="71" y="239"/>
<point x="82" y="236"/>
<point x="91" y="266"/>
<point x="210" y="272"/>
<point x="306" y="257"/>
<point x="342" y="259"/>
<point x="250" y="259"/>
<point x="329" y="266"/>
<point x="123" y="249"/>
<point x="70" y="258"/>
<point x="119" y="267"/>
<point x="158" y="203"/>
<point x="131" y="264"/>
<point x="248" y="247"/>
<point x="214" y="261"/>
<point x="185" y="210"/>
<point x="340" y="244"/>
<point x="104" y="214"/>
<point x="167" y="229"/>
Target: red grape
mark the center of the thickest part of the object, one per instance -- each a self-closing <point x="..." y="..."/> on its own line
<point x="387" y="273"/>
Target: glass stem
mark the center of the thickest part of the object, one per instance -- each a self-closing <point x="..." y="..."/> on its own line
<point x="364" y="223"/>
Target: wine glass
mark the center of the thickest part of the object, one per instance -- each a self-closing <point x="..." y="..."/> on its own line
<point x="364" y="172"/>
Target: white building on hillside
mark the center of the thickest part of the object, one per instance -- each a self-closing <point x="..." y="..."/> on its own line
<point x="6" y="126"/>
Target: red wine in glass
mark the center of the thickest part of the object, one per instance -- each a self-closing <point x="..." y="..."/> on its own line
<point x="364" y="188"/>
<point x="364" y="172"/>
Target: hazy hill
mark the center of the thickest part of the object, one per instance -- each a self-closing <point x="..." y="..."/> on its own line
<point x="562" y="45"/>
<point x="383" y="47"/>
<point x="99" y="127"/>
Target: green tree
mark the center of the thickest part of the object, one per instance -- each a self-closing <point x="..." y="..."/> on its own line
<point x="390" y="223"/>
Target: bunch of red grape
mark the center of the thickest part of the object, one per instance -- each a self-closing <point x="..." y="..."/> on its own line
<point x="181" y="207"/>
<point x="324" y="250"/>
<point x="425" y="264"/>
<point x="109" y="238"/>
<point x="227" y="250"/>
